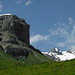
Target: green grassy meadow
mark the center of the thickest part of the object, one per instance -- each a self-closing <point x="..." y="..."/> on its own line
<point x="52" y="68"/>
<point x="34" y="65"/>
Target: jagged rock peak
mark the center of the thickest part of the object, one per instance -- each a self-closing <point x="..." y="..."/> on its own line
<point x="14" y="35"/>
<point x="55" y="50"/>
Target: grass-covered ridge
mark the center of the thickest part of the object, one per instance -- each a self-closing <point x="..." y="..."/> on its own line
<point x="52" y="68"/>
<point x="32" y="58"/>
<point x="5" y="56"/>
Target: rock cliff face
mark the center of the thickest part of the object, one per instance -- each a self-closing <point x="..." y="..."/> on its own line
<point x="16" y="26"/>
<point x="14" y="36"/>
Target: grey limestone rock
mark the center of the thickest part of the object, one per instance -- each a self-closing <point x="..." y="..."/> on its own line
<point x="14" y="36"/>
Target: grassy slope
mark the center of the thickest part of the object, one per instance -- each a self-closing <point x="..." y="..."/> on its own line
<point x="32" y="59"/>
<point x="7" y="61"/>
<point x="5" y="56"/>
<point x="10" y="66"/>
<point x="37" y="58"/>
<point x="53" y="68"/>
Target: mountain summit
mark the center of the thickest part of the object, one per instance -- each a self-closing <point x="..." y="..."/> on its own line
<point x="56" y="50"/>
<point x="58" y="55"/>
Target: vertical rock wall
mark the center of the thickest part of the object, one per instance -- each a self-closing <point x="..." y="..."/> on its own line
<point x="15" y="25"/>
<point x="14" y="36"/>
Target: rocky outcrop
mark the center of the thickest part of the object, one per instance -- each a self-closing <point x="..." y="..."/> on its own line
<point x="14" y="36"/>
<point x="16" y="26"/>
<point x="14" y="41"/>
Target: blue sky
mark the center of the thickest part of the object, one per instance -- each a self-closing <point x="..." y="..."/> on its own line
<point x="52" y="22"/>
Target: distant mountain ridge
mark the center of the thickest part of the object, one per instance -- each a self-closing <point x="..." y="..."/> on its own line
<point x="58" y="55"/>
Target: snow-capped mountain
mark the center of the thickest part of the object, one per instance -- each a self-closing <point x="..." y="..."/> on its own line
<point x="58" y="55"/>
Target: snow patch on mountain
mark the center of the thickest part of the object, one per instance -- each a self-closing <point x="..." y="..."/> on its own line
<point x="58" y="55"/>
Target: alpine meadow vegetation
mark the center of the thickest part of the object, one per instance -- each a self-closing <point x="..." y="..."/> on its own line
<point x="52" y="68"/>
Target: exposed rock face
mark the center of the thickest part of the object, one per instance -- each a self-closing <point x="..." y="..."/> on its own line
<point x="14" y="36"/>
<point x="56" y="50"/>
<point x="15" y="25"/>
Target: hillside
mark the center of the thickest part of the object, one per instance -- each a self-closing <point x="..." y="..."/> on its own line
<point x="32" y="59"/>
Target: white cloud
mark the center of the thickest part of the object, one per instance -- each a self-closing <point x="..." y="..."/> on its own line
<point x="59" y="31"/>
<point x="1" y="7"/>
<point x="61" y="44"/>
<point x="37" y="38"/>
<point x="65" y="31"/>
<point x="70" y="20"/>
<point x="72" y="47"/>
<point x="28" y="2"/>
<point x="69" y="43"/>
<point x="19" y="2"/>
<point x="71" y="36"/>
